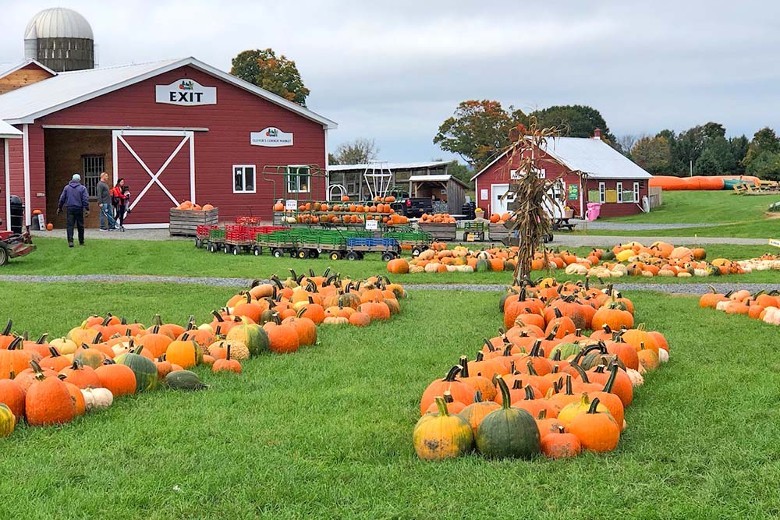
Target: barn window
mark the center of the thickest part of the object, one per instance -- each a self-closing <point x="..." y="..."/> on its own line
<point x="602" y="192"/>
<point x="91" y="168"/>
<point x="244" y="179"/>
<point x="636" y="192"/>
<point x="298" y="179"/>
<point x="620" y="192"/>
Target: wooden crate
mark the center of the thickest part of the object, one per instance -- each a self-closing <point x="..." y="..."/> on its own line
<point x="440" y="231"/>
<point x="184" y="221"/>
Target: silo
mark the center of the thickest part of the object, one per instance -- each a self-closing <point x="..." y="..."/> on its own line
<point x="60" y="39"/>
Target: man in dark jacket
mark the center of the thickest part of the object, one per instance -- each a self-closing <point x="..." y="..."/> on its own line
<point x="76" y="202"/>
<point x="107" y="222"/>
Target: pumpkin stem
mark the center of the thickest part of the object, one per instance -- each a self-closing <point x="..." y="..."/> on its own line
<point x="442" y="406"/>
<point x="531" y="369"/>
<point x="613" y="370"/>
<point x="504" y="392"/>
<point x="581" y="372"/>
<point x="215" y="313"/>
<point x="529" y="393"/>
<point x="7" y="329"/>
<point x="542" y="415"/>
<point x="593" y="405"/>
<point x="478" y="396"/>
<point x="227" y="355"/>
<point x="107" y="319"/>
<point x="464" y="362"/>
<point x="98" y="338"/>
<point x="53" y="352"/>
<point x="453" y="373"/>
<point x="15" y="343"/>
<point x="489" y="345"/>
<point x="554" y="330"/>
<point x="38" y="370"/>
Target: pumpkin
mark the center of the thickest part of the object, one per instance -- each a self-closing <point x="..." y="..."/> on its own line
<point x="478" y="410"/>
<point x="64" y="345"/>
<point x="597" y="431"/>
<point x="398" y="266"/>
<point x="460" y="391"/>
<point x="305" y="327"/>
<point x="48" y="401"/>
<point x="184" y="380"/>
<point x="7" y="421"/>
<point x="80" y="375"/>
<point x="359" y="319"/>
<point x="442" y="436"/>
<point x="77" y="398"/>
<point x="227" y="365"/>
<point x="561" y="445"/>
<point x="89" y="357"/>
<point x="238" y="350"/>
<point x="184" y="352"/>
<point x="508" y="432"/>
<point x="251" y="335"/>
<point x="282" y="339"/>
<point x="118" y="378"/>
<point x="97" y="398"/>
<point x="12" y="395"/>
<point x="14" y="359"/>
<point x="144" y="369"/>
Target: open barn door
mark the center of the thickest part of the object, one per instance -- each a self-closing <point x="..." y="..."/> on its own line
<point x="159" y="168"/>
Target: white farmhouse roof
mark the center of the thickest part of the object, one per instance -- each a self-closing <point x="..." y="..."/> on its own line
<point x="67" y="89"/>
<point x="387" y="166"/>
<point x="8" y="132"/>
<point x="593" y="157"/>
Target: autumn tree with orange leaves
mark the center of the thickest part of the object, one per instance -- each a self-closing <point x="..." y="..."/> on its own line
<point x="478" y="130"/>
<point x="277" y="75"/>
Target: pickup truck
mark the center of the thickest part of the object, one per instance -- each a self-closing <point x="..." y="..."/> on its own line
<point x="412" y="207"/>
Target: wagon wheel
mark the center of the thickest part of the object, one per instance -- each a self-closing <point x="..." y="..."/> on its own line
<point x="335" y="255"/>
<point x="226" y="249"/>
<point x="198" y="243"/>
<point x="257" y="250"/>
<point x="302" y="253"/>
<point x="386" y="257"/>
<point x="352" y="255"/>
<point x="277" y="253"/>
<point x="235" y="250"/>
<point x="416" y="251"/>
<point x="3" y="255"/>
<point x="313" y="253"/>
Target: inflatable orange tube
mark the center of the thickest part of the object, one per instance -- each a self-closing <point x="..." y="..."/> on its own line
<point x="698" y="182"/>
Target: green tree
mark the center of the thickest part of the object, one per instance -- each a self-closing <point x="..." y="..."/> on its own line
<point x="277" y="75"/>
<point x="765" y="140"/>
<point x="654" y="154"/>
<point x="707" y="163"/>
<point x="720" y="150"/>
<point x="461" y="172"/>
<point x="739" y="147"/>
<point x="574" y="120"/>
<point x="477" y="131"/>
<point x="359" y="151"/>
<point x="766" y="165"/>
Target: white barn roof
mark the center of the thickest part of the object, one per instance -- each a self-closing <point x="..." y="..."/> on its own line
<point x="436" y="178"/>
<point x="387" y="166"/>
<point x="591" y="156"/>
<point x="66" y="89"/>
<point x="8" y="132"/>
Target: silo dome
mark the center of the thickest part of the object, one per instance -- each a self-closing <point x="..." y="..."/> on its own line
<point x="58" y="22"/>
<point x="60" y="39"/>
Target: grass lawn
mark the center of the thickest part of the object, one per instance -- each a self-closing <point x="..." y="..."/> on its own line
<point x="179" y="258"/>
<point x="326" y="432"/>
<point x="721" y="213"/>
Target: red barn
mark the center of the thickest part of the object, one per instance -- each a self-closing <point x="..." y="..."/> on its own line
<point x="589" y="171"/>
<point x="175" y="130"/>
<point x="7" y="133"/>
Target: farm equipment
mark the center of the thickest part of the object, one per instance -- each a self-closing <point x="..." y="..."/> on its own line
<point x="336" y="244"/>
<point x="13" y="245"/>
<point x="235" y="238"/>
<point x="414" y="241"/>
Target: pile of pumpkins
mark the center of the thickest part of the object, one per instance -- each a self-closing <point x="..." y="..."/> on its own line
<point x="629" y="259"/>
<point x="437" y="218"/>
<point x="542" y="386"/>
<point x="106" y="357"/>
<point x="764" y="306"/>
<point x="346" y="212"/>
<point x="188" y="205"/>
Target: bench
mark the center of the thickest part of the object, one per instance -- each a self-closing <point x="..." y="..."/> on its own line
<point x="562" y="223"/>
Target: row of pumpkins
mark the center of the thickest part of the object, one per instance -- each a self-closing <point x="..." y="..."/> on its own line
<point x="52" y="382"/>
<point x="542" y="387"/>
<point x="760" y="306"/>
<point x="188" y="205"/>
<point x="622" y="260"/>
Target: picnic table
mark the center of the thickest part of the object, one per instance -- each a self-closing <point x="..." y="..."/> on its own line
<point x="563" y="223"/>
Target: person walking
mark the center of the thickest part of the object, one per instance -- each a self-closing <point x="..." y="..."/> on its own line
<point x="120" y="196"/>
<point x="107" y="222"/>
<point x="75" y="200"/>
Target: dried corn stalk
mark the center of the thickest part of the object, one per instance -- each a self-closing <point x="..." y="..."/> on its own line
<point x="529" y="220"/>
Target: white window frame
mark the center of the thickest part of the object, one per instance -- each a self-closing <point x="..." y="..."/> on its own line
<point x="602" y="192"/>
<point x="243" y="168"/>
<point x="636" y="192"/>
<point x="297" y="177"/>
<point x="619" y="188"/>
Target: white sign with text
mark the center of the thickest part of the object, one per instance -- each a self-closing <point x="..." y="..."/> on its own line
<point x="186" y="92"/>
<point x="271" y="137"/>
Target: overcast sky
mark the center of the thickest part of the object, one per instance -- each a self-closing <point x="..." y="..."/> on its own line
<point x="394" y="70"/>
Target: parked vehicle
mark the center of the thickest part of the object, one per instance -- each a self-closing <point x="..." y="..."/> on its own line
<point x="412" y="207"/>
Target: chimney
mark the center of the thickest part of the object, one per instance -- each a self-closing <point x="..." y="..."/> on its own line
<point x="597" y="134"/>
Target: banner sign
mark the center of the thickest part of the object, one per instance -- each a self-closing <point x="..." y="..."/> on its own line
<point x="271" y="136"/>
<point x="186" y="92"/>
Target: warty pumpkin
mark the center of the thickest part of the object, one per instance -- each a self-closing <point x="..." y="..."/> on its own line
<point x="442" y="436"/>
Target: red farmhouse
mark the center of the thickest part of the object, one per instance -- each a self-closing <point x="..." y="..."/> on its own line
<point x="589" y="171"/>
<point x="175" y="130"/>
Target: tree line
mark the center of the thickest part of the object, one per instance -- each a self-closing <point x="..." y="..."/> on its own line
<point x="478" y="131"/>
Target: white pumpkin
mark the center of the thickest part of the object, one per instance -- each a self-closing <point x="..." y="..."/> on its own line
<point x="576" y="269"/>
<point x="64" y="346"/>
<point x="663" y="355"/>
<point x="97" y="398"/>
<point x="772" y="316"/>
<point x="722" y="305"/>
<point x="635" y="377"/>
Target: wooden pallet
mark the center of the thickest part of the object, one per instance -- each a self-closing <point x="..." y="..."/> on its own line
<point x="184" y="222"/>
<point x="440" y="231"/>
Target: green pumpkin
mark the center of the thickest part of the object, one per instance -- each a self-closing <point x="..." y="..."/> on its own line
<point x="566" y="350"/>
<point x="508" y="432"/>
<point x="251" y="335"/>
<point x="7" y="421"/>
<point x="482" y="266"/>
<point x="184" y="380"/>
<point x="144" y="369"/>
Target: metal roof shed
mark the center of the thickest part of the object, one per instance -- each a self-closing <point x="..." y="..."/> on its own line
<point x="446" y="188"/>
